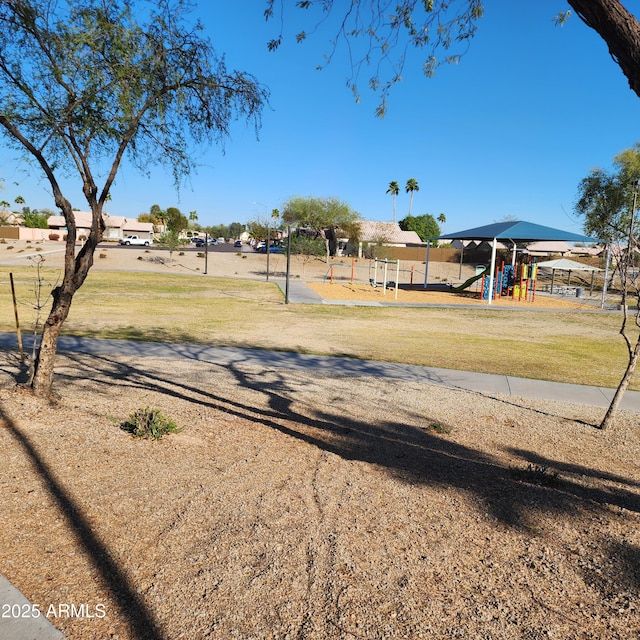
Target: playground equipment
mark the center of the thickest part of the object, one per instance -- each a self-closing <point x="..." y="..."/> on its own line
<point x="516" y="281"/>
<point x="373" y="274"/>
<point x="387" y="285"/>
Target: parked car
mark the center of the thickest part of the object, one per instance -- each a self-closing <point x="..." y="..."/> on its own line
<point x="136" y="240"/>
<point x="274" y="248"/>
<point x="238" y="244"/>
<point x="260" y="246"/>
<point x="199" y="242"/>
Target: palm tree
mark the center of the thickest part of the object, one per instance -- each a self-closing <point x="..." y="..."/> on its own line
<point x="394" y="190"/>
<point x="412" y="186"/>
<point x="442" y="218"/>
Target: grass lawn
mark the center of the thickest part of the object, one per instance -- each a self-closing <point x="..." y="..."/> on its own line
<point x="577" y="347"/>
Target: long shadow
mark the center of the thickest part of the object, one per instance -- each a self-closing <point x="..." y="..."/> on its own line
<point x="140" y="619"/>
<point x="573" y="469"/>
<point x="412" y="454"/>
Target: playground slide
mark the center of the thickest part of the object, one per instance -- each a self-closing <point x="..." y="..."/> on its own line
<point x="470" y="281"/>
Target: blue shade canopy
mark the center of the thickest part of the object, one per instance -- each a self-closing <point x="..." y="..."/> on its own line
<point x="516" y="230"/>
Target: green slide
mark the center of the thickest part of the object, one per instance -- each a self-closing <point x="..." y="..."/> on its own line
<point x="470" y="281"/>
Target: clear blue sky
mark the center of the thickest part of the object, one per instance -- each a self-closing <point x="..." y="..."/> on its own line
<point x="510" y="131"/>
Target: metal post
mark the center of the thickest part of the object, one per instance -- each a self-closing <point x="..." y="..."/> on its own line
<point x="268" y="248"/>
<point x="206" y="252"/>
<point x="286" y="288"/>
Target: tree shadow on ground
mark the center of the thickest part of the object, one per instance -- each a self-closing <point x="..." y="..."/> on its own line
<point x="414" y="454"/>
<point x="409" y="451"/>
<point x="139" y="617"/>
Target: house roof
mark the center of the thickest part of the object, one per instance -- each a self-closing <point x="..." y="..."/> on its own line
<point x="518" y="230"/>
<point x="114" y="222"/>
<point x="390" y="232"/>
<point x="134" y="225"/>
<point x="552" y="246"/>
<point x="83" y="220"/>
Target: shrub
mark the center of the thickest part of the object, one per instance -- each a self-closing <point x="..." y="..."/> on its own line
<point x="54" y="236"/>
<point x="537" y="474"/>
<point x="149" y="423"/>
<point x="10" y="247"/>
<point x="438" y="427"/>
<point x="102" y="255"/>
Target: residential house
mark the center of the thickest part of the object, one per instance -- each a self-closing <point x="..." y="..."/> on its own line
<point x="386" y="233"/>
<point x="116" y="227"/>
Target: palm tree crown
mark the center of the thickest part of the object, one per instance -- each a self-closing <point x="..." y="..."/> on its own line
<point x="394" y="190"/>
<point x="412" y="186"/>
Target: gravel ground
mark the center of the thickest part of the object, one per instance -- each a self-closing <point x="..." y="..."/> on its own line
<point x="305" y="506"/>
<point x="312" y="506"/>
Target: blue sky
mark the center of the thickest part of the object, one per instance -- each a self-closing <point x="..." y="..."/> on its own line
<point x="510" y="131"/>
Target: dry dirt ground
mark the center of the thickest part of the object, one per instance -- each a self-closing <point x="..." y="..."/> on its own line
<point x="310" y="506"/>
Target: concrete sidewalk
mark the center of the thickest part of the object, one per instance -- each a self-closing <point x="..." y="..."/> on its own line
<point x="489" y="384"/>
<point x="24" y="621"/>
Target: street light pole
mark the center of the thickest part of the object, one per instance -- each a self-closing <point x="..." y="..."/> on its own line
<point x="268" y="235"/>
<point x="286" y="288"/>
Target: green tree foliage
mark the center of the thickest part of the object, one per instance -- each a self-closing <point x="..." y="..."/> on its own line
<point x="324" y="217"/>
<point x="235" y="229"/>
<point x="425" y="226"/>
<point x="175" y="220"/>
<point x="169" y="240"/>
<point x="608" y="202"/>
<point x="605" y="197"/>
<point x="305" y="245"/>
<point x="603" y="202"/>
<point x="377" y="35"/>
<point x="35" y="220"/>
<point x="88" y="83"/>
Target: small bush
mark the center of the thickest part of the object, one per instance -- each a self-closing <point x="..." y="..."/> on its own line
<point x="54" y="236"/>
<point x="149" y="423"/>
<point x="537" y="474"/>
<point x="102" y="255"/>
<point x="200" y="254"/>
<point x="438" y="427"/>
<point x="139" y="257"/>
<point x="10" y="247"/>
<point x="181" y="253"/>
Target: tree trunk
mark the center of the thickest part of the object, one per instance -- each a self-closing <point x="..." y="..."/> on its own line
<point x="619" y="29"/>
<point x="76" y="268"/>
<point x="42" y="380"/>
<point x="622" y="387"/>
